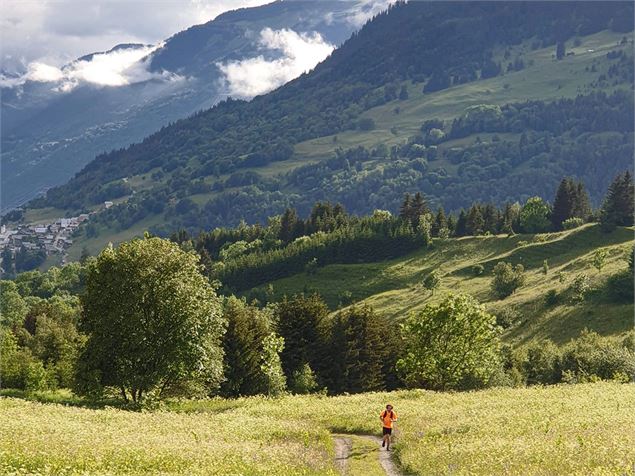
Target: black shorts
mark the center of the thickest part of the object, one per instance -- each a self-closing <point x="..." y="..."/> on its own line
<point x="387" y="431"/>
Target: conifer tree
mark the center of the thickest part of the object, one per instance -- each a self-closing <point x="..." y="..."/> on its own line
<point x="563" y="203"/>
<point x="475" y="223"/>
<point x="490" y="219"/>
<point x="617" y="209"/>
<point x="461" y="224"/>
<point x="440" y="222"/>
<point x="301" y="323"/>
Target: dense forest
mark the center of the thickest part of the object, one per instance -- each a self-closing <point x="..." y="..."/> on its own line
<point x="440" y="45"/>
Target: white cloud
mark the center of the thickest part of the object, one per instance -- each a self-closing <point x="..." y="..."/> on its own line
<point x="114" y="68"/>
<point x="253" y="76"/>
<point x="57" y="31"/>
<point x="364" y="10"/>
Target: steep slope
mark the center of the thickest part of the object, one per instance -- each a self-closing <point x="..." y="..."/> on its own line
<point x="49" y="133"/>
<point x="250" y="160"/>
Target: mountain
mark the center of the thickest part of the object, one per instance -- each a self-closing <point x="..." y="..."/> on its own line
<point x="462" y="101"/>
<point x="50" y="130"/>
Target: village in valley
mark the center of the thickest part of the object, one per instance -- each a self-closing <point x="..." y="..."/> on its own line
<point x="38" y="240"/>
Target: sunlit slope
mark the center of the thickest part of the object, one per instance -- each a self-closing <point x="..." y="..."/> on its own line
<point x="394" y="287"/>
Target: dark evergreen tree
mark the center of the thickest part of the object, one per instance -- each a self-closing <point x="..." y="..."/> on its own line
<point x="563" y="203"/>
<point x="440" y="222"/>
<point x="582" y="203"/>
<point x="301" y="323"/>
<point x="247" y="327"/>
<point x="560" y="50"/>
<point x="461" y="224"/>
<point x="617" y="209"/>
<point x="290" y="226"/>
<point x="418" y="207"/>
<point x="490" y="219"/>
<point x="475" y="224"/>
<point x="364" y="351"/>
<point x="405" y="209"/>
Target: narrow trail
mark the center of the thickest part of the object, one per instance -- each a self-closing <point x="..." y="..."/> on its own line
<point x="344" y="446"/>
<point x="385" y="457"/>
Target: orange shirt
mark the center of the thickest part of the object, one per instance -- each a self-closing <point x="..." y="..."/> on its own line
<point x="386" y="418"/>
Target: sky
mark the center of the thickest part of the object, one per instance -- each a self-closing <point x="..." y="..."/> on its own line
<point x="54" y="32"/>
<point x="41" y="38"/>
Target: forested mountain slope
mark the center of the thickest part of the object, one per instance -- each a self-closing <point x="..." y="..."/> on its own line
<point x="249" y="160"/>
<point x="50" y="131"/>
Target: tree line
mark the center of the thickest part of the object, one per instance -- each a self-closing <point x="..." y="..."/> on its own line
<point x="148" y="325"/>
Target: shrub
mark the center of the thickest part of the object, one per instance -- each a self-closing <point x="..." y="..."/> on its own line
<point x="303" y="380"/>
<point x="432" y="281"/>
<point x="478" y="269"/>
<point x="552" y="298"/>
<point x="571" y="223"/>
<point x="507" y="316"/>
<point x="507" y="279"/>
<point x="580" y="287"/>
<point x="541" y="363"/>
<point x="591" y="357"/>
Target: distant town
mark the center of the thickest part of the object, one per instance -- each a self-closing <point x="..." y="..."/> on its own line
<point x="49" y="238"/>
<point x="41" y="239"/>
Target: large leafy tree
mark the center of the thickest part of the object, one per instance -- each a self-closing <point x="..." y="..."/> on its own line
<point x="534" y="216"/>
<point x="450" y="345"/>
<point x="153" y="321"/>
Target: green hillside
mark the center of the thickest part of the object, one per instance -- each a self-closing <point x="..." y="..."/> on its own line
<point x="251" y="160"/>
<point x="543" y="78"/>
<point x="394" y="287"/>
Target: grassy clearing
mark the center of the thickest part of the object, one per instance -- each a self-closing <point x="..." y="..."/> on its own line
<point x="577" y="430"/>
<point x="394" y="287"/>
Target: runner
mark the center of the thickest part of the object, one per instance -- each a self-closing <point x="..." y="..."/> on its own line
<point x="387" y="417"/>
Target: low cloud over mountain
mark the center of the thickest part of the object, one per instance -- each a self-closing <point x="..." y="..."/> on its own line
<point x="253" y="76"/>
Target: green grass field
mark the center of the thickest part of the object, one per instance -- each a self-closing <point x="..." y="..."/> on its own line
<point x="394" y="287"/>
<point x="580" y="429"/>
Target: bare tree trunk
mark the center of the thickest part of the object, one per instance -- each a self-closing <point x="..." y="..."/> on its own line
<point x="123" y="394"/>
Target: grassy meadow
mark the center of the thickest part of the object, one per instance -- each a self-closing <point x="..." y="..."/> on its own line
<point x="579" y="429"/>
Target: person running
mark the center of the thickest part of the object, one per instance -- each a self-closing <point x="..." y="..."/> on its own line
<point x="387" y="417"/>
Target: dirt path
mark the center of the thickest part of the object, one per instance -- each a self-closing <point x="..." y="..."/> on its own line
<point x="385" y="458"/>
<point x="342" y="452"/>
<point x="344" y="447"/>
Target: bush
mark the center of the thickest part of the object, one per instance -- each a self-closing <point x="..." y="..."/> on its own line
<point x="507" y="316"/>
<point x="541" y="365"/>
<point x="580" y="287"/>
<point x="591" y="357"/>
<point x="552" y="298"/>
<point x="507" y="279"/>
<point x="478" y="269"/>
<point x="571" y="223"/>
<point x="303" y="380"/>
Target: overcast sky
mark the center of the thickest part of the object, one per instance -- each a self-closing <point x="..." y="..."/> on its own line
<point x="56" y="31"/>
